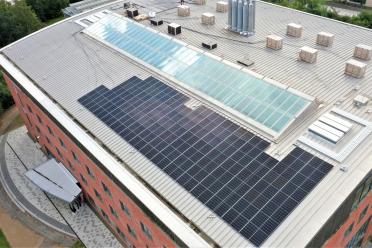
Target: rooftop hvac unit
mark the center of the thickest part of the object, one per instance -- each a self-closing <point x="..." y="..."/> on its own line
<point x="209" y="45"/>
<point x="174" y="28"/>
<point x="308" y="54"/>
<point x="183" y="10"/>
<point x="156" y="22"/>
<point x="208" y="18"/>
<point x="294" y="30"/>
<point x="360" y="101"/>
<point x="363" y="52"/>
<point x="325" y="39"/>
<point x="355" y="68"/>
<point x="132" y="12"/>
<point x="222" y="6"/>
<point x="274" y="42"/>
<point x="241" y="16"/>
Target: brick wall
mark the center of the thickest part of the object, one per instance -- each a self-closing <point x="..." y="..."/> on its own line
<point x="119" y="212"/>
<point x="352" y="225"/>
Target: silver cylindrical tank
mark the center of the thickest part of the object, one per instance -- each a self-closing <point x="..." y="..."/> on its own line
<point x="234" y="14"/>
<point x="251" y="16"/>
<point x="229" y="16"/>
<point x="245" y="18"/>
<point x="239" y="25"/>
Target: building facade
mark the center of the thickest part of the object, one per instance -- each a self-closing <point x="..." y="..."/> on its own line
<point x="125" y="216"/>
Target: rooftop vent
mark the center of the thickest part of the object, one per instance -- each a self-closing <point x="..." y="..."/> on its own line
<point x="174" y="28"/>
<point x="132" y="12"/>
<point x="360" y="101"/>
<point x="241" y="16"/>
<point x="355" y="68"/>
<point x="183" y="10"/>
<point x="156" y="22"/>
<point x="308" y="54"/>
<point x="274" y="42"/>
<point x="325" y="39"/>
<point x="208" y="18"/>
<point x="294" y="30"/>
<point x="209" y="45"/>
<point x="222" y="6"/>
<point x="201" y="2"/>
<point x="363" y="52"/>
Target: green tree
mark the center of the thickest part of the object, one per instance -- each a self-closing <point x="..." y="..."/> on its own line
<point x="48" y="9"/>
<point x="6" y="99"/>
<point x="16" y="21"/>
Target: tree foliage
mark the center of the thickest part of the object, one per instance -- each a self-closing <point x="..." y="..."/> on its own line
<point x="48" y="9"/>
<point x="16" y="21"/>
<point x="6" y="99"/>
<point x="317" y="7"/>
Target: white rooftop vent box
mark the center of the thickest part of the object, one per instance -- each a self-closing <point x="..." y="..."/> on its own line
<point x="174" y="28"/>
<point x="208" y="18"/>
<point x="308" y="54"/>
<point x="222" y="6"/>
<point x="201" y="2"/>
<point x="363" y="52"/>
<point x="325" y="39"/>
<point x="360" y="101"/>
<point x="183" y="10"/>
<point x="274" y="42"/>
<point x="355" y="68"/>
<point x="294" y="30"/>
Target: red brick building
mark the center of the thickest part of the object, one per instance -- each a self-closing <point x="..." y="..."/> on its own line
<point x="253" y="186"/>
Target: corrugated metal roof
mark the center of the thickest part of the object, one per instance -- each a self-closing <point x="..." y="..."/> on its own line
<point x="67" y="65"/>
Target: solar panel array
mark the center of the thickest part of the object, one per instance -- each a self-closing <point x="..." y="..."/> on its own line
<point x="217" y="161"/>
<point x="269" y="105"/>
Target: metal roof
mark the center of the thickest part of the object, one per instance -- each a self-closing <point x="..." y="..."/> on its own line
<point x="67" y="64"/>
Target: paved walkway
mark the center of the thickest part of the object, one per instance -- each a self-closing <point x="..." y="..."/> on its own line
<point x="18" y="153"/>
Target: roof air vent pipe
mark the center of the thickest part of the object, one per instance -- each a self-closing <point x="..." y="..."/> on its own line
<point x="229" y="16"/>
<point x="234" y="14"/>
<point x="241" y="18"/>
<point x="239" y="26"/>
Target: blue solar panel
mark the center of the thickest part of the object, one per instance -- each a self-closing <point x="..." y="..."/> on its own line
<point x="220" y="163"/>
<point x="269" y="105"/>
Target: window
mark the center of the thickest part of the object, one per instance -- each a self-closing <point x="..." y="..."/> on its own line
<point x="50" y="130"/>
<point x="105" y="215"/>
<point x="48" y="140"/>
<point x="348" y="230"/>
<point x="114" y="213"/>
<point x="106" y="189"/>
<point x="39" y="119"/>
<point x="132" y="232"/>
<point x="146" y="230"/>
<point x="121" y="234"/>
<point x="38" y="129"/>
<point x="90" y="173"/>
<point x="29" y="109"/>
<point x="70" y="165"/>
<point x="98" y="195"/>
<point x="29" y="121"/>
<point x="75" y="157"/>
<point x="83" y="179"/>
<point x="62" y="143"/>
<point x="59" y="153"/>
<point x="363" y="213"/>
<point x="125" y="209"/>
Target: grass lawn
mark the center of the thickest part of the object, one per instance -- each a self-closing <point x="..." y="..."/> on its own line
<point x="54" y="20"/>
<point x="3" y="242"/>
<point x="78" y="244"/>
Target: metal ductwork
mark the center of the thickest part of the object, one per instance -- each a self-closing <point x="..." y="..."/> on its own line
<point x="241" y="16"/>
